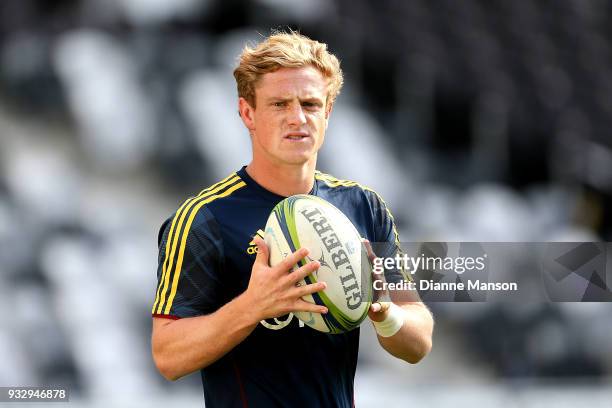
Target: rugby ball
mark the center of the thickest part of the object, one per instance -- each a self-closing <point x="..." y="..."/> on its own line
<point x="332" y="239"/>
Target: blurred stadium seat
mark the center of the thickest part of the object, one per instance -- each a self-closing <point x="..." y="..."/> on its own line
<point x="477" y="120"/>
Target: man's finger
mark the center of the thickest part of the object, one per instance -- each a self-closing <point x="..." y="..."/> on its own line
<point x="378" y="293"/>
<point x="303" y="306"/>
<point x="304" y="271"/>
<point x="289" y="262"/>
<point x="380" y="307"/>
<point x="368" y="246"/>
<point x="309" y="289"/>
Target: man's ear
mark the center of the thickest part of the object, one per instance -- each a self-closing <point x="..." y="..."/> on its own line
<point x="328" y="109"/>
<point x="247" y="113"/>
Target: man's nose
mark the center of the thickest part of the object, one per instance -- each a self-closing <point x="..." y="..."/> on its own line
<point x="296" y="115"/>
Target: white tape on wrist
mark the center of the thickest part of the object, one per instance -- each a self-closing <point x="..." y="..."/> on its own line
<point x="393" y="322"/>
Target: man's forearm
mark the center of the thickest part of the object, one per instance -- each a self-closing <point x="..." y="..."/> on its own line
<point x="414" y="340"/>
<point x="183" y="346"/>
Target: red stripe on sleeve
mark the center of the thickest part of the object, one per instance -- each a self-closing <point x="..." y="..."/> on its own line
<point x="163" y="316"/>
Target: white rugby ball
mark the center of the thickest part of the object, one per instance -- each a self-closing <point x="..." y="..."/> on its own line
<point x="311" y="222"/>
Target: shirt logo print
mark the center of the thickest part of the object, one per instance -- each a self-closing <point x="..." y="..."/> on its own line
<point x="252" y="248"/>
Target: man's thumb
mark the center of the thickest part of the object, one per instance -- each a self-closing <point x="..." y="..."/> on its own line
<point x="262" y="251"/>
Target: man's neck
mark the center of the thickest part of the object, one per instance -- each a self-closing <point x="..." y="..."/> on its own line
<point x="283" y="180"/>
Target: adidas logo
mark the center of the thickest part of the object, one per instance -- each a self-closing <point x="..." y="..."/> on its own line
<point x="252" y="249"/>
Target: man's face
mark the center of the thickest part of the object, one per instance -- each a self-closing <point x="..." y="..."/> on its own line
<point x="289" y="122"/>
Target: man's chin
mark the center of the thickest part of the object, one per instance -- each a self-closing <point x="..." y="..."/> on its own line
<point x="298" y="160"/>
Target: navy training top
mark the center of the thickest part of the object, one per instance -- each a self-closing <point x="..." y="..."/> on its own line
<point x="206" y="253"/>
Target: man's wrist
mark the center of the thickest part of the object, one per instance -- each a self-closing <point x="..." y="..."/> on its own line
<point x="247" y="308"/>
<point x="392" y="323"/>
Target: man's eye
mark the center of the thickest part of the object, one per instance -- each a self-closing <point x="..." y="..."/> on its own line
<point x="279" y="104"/>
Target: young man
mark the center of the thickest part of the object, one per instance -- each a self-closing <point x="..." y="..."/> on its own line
<point x="219" y="307"/>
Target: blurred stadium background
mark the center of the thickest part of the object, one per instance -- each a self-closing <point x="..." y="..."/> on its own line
<point x="476" y="120"/>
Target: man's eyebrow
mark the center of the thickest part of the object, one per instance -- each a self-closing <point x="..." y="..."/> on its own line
<point x="278" y="99"/>
<point x="286" y="99"/>
<point x="315" y="99"/>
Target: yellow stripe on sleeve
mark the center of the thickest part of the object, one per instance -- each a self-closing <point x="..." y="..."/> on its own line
<point x="179" y="263"/>
<point x="167" y="250"/>
<point x="193" y="203"/>
<point x="173" y="236"/>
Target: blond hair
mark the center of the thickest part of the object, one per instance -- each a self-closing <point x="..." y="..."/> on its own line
<point x="286" y="50"/>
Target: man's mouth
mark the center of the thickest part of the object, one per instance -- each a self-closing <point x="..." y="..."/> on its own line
<point x="296" y="135"/>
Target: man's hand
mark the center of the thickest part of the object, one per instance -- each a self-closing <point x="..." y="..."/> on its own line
<point x="272" y="291"/>
<point x="412" y="341"/>
<point x="378" y="310"/>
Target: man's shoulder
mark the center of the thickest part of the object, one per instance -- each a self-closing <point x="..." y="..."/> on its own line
<point x="220" y="190"/>
<point x="334" y="182"/>
<point x="196" y="210"/>
<point x="354" y="188"/>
